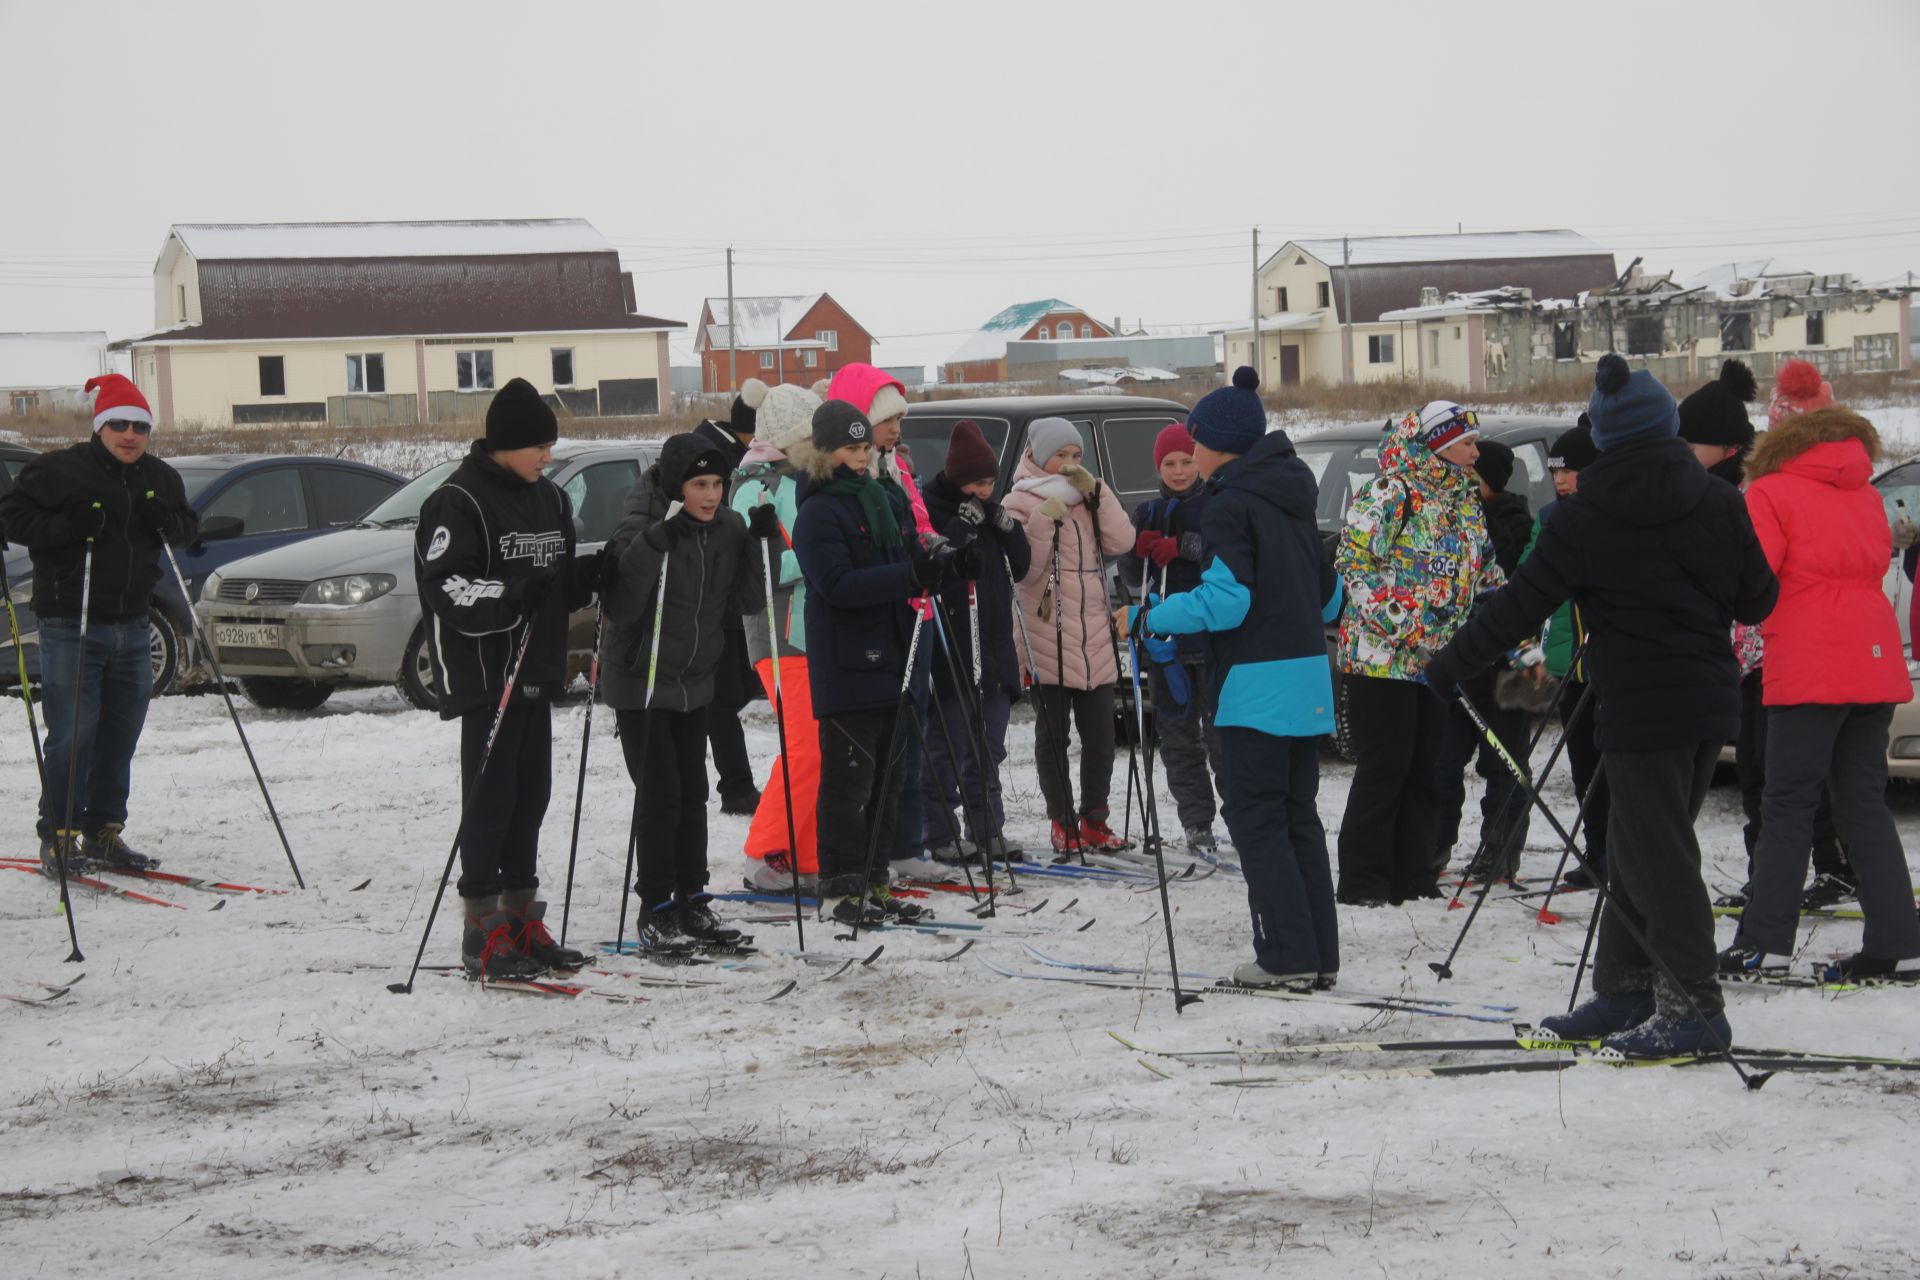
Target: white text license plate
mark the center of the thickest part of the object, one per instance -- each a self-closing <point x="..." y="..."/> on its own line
<point x="246" y="635"/>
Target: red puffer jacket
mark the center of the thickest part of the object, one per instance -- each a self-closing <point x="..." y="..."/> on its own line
<point x="1833" y="637"/>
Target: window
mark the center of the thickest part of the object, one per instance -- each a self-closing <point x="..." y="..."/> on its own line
<point x="273" y="375"/>
<point x="1130" y="445"/>
<point x="1566" y="339"/>
<point x="1282" y="291"/>
<point x="829" y="336"/>
<point x="810" y="358"/>
<point x="1736" y="331"/>
<point x="1816" y="328"/>
<point x="1326" y="295"/>
<point x="1086" y="331"/>
<point x="1433" y="348"/>
<point x="1643" y="335"/>
<point x="1380" y="348"/>
<point x="367" y="373"/>
<point x="473" y="370"/>
<point x="180" y="303"/>
<point x="766" y="359"/>
<point x="1045" y="333"/>
<point x="928" y="435"/>
<point x="599" y="494"/>
<point x="344" y="495"/>
<point x="264" y="502"/>
<point x="563" y="366"/>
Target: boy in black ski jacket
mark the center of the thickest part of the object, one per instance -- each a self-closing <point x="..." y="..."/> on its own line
<point x="734" y="684"/>
<point x="676" y="520"/>
<point x="1167" y="557"/>
<point x="961" y="506"/>
<point x="494" y="555"/>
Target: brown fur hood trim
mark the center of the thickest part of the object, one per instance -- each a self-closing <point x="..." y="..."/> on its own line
<point x="1802" y="431"/>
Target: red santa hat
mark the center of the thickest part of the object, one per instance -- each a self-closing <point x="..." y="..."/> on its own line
<point x="117" y="399"/>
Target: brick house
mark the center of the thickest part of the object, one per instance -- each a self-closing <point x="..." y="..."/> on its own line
<point x="797" y="338"/>
<point x="983" y="357"/>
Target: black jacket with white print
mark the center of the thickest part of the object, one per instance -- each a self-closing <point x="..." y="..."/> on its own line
<point x="483" y="536"/>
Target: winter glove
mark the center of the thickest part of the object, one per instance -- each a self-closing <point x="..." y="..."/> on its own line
<point x="88" y="518"/>
<point x="974" y="513"/>
<point x="1147" y="540"/>
<point x="1001" y="518"/>
<point x="967" y="561"/>
<point x="764" y="523"/>
<point x="1190" y="548"/>
<point x="150" y="511"/>
<point x="925" y="567"/>
<point x="529" y="592"/>
<point x="1054" y="510"/>
<point x="1162" y="653"/>
<point x="1079" y="477"/>
<point x="1164" y="552"/>
<point x="1444" y="672"/>
<point x="666" y="535"/>
<point x="606" y="569"/>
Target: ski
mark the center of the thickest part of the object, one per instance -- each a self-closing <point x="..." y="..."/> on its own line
<point x="1137" y="971"/>
<point x="49" y="992"/>
<point x="98" y="886"/>
<point x="1583" y="1061"/>
<point x="1523" y="1037"/>
<point x="1816" y="981"/>
<point x="162" y="877"/>
<point x="689" y="952"/>
<point x="544" y="988"/>
<point x="1121" y="983"/>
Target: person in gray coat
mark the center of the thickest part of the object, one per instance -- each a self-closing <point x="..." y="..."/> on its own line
<point x="676" y="517"/>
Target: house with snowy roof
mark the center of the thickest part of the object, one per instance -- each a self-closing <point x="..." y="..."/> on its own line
<point x="1333" y="310"/>
<point x="364" y="323"/>
<point x="983" y="356"/>
<point x="40" y="372"/>
<point x="797" y="338"/>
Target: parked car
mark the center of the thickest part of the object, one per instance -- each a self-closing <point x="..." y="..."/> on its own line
<point x="12" y="458"/>
<point x="1900" y="490"/>
<point x="246" y="503"/>
<point x="343" y="611"/>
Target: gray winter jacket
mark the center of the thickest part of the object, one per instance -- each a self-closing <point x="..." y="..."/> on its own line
<point x="712" y="576"/>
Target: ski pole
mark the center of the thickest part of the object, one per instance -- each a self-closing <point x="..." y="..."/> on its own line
<point x="219" y="678"/>
<point x="20" y="658"/>
<point x="780" y="725"/>
<point x="1150" y="834"/>
<point x="466" y="805"/>
<point x="926" y="755"/>
<point x="646" y="737"/>
<point x="1113" y="638"/>
<point x="895" y="750"/>
<point x="63" y="838"/>
<point x="1753" y="1080"/>
<point x="1593" y="784"/>
<point x="982" y="820"/>
<point x="1126" y="826"/>
<point x="976" y="724"/>
<point x="1586" y="947"/>
<point x="586" y="741"/>
<point x="1074" y="843"/>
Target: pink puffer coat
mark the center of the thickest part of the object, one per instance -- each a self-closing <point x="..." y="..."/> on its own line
<point x="1086" y="617"/>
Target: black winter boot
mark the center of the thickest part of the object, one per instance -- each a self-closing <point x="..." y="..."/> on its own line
<point x="107" y="849"/>
<point x="488" y="948"/>
<point x="531" y="934"/>
<point x="697" y="921"/>
<point x="55" y="849"/>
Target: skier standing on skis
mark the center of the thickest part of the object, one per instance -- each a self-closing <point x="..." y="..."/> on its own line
<point x="113" y="498"/>
<point x="1167" y="548"/>
<point x="1262" y="604"/>
<point x="494" y="555"/>
<point x="1662" y="560"/>
<point x="712" y="574"/>
<point x="734" y="685"/>
<point x="1071" y="623"/>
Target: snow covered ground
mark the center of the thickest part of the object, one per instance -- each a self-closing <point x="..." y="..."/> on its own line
<point x="232" y="1091"/>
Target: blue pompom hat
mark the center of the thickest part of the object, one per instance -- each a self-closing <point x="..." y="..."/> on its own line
<point x="1230" y="419"/>
<point x="1629" y="404"/>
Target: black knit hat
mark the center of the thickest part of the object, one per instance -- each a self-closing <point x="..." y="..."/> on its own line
<point x="519" y="419"/>
<point x="743" y="418"/>
<point x="1573" y="450"/>
<point x="684" y="457"/>
<point x="837" y="423"/>
<point x="1716" y="413"/>
<point x="1495" y="465"/>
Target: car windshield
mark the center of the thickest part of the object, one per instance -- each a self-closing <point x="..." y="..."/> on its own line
<point x="403" y="504"/>
<point x="198" y="478"/>
<point x="1339" y="467"/>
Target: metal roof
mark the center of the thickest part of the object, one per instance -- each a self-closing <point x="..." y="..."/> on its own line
<point x="1370" y="251"/>
<point x="764" y="321"/>
<point x="990" y="341"/>
<point x="208" y="241"/>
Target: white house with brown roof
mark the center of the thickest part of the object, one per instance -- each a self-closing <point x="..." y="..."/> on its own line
<point x="359" y="323"/>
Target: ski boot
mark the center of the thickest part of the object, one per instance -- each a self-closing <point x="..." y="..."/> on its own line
<point x="1577" y="879"/>
<point x="1066" y="842"/>
<point x="55" y="849"/>
<point x="844" y="901"/>
<point x="105" y="848"/>
<point x="774" y="874"/>
<point x="1202" y="840"/>
<point x="657" y="927"/>
<point x="697" y="922"/>
<point x="1827" y="891"/>
<point x="896" y="909"/>
<point x="1251" y="974"/>
<point x="531" y="934"/>
<point x="1667" y="1036"/>
<point x="1859" y="967"/>
<point x="1738" y="898"/>
<point x="488" y="948"/>
<point x="1599" y="1016"/>
<point x="1100" y="838"/>
<point x="1742" y="960"/>
<point x="946" y="855"/>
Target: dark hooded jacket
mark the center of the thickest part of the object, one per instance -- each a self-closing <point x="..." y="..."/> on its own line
<point x="1662" y="560"/>
<point x="995" y="593"/>
<point x="1265" y="597"/>
<point x="858" y="610"/>
<point x="1182" y="517"/>
<point x="1510" y="525"/>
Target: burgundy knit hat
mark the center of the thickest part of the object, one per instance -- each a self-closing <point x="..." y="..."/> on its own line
<point x="1173" y="438"/>
<point x="969" y="456"/>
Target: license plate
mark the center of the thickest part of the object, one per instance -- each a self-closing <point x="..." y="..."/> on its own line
<point x="246" y="635"/>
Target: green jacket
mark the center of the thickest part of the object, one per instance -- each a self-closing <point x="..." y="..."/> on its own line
<point x="1564" y="626"/>
<point x="790" y="593"/>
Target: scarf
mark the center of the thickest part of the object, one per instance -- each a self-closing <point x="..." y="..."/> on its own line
<point x="883" y="523"/>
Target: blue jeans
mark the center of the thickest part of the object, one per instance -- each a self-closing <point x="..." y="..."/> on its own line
<point x="112" y="683"/>
<point x="1269" y="785"/>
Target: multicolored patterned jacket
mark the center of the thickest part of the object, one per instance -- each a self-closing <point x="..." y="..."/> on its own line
<point x="1414" y="555"/>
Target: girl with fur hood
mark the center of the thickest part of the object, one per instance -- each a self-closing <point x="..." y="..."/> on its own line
<point x="1835" y="670"/>
<point x="1064" y="508"/>
<point x="1414" y="555"/>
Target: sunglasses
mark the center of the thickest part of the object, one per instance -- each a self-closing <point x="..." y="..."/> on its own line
<point x="122" y="424"/>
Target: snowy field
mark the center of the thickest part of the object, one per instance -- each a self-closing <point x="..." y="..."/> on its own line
<point x="232" y="1091"/>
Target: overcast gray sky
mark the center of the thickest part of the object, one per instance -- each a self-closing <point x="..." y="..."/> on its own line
<point x="929" y="164"/>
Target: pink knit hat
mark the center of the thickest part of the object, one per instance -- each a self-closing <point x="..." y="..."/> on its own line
<point x="1173" y="438"/>
<point x="1797" y="388"/>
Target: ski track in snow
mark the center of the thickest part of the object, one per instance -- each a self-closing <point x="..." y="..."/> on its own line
<point x="235" y="1093"/>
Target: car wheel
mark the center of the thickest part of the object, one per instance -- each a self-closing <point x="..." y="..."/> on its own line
<point x="416" y="673"/>
<point x="1342" y="718"/>
<point x="164" y="639"/>
<point x="284" y="693"/>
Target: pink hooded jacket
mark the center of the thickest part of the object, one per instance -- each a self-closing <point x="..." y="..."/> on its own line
<point x="1086" y="617"/>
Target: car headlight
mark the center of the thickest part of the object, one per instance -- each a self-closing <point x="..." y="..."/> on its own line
<point x="357" y="588"/>
<point x="210" y="589"/>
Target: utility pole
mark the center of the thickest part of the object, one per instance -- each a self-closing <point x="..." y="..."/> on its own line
<point x="733" y="328"/>
<point x="1258" y="366"/>
<point x="1346" y="309"/>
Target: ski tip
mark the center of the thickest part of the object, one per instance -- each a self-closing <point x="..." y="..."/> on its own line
<point x="357" y="888"/>
<point x="1083" y="928"/>
<point x="218" y="905"/>
<point x="875" y="953"/>
<point x="785" y="990"/>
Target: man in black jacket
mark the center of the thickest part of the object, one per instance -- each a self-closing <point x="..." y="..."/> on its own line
<point x="494" y="555"/>
<point x="734" y="684"/>
<point x="1662" y="560"/>
<point x="110" y="502"/>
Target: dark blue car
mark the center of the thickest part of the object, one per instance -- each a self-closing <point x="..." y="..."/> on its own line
<point x="247" y="503"/>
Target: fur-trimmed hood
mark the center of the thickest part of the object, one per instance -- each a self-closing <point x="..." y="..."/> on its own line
<point x="1801" y="432"/>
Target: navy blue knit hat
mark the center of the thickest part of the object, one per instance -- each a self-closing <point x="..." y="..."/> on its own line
<point x="1230" y="419"/>
<point x="1629" y="404"/>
